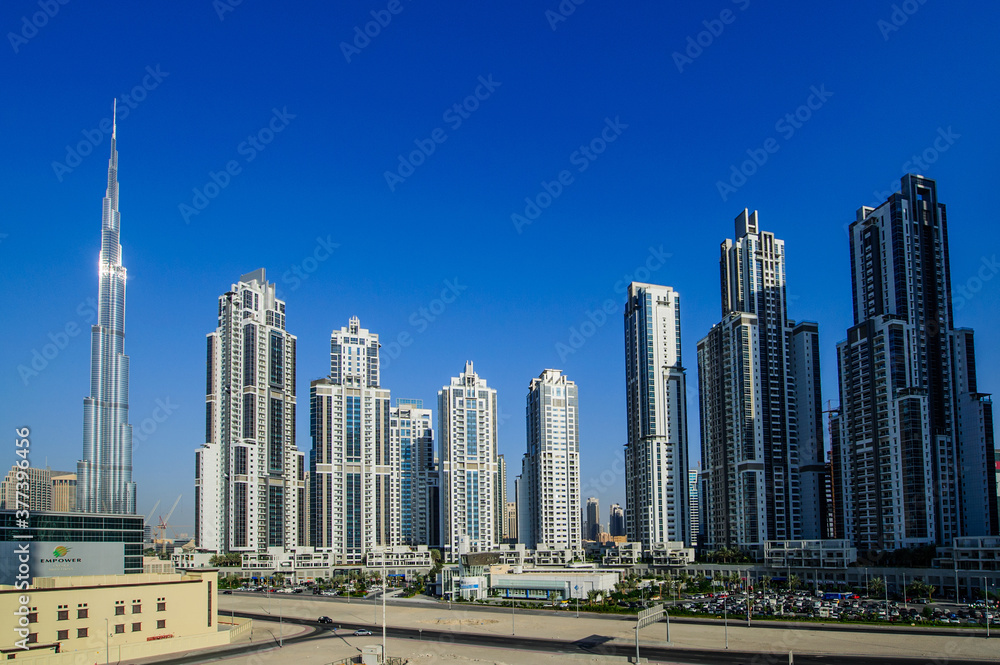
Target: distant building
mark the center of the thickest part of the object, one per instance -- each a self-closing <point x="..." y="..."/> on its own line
<point x="34" y="494"/>
<point x="501" y="499"/>
<point x="467" y="427"/>
<point x="593" y="518"/>
<point x="616" y="522"/>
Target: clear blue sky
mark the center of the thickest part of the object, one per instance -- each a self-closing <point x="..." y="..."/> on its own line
<point x="885" y="96"/>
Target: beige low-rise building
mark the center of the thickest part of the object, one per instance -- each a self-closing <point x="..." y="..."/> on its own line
<point x="62" y="620"/>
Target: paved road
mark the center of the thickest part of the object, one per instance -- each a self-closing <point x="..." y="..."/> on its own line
<point x="594" y="645"/>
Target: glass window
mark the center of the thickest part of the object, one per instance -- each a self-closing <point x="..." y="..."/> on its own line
<point x="82" y="614"/>
<point x="119" y="628"/>
<point x="62" y="615"/>
<point x="62" y="635"/>
<point x="82" y="632"/>
<point x="136" y="609"/>
<point x="119" y="610"/>
<point x="161" y="607"/>
<point x="161" y="623"/>
<point x="136" y="627"/>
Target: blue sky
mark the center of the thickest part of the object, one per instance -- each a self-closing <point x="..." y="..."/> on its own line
<point x="588" y="115"/>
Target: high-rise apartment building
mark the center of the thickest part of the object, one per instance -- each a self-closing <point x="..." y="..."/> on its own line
<point x="551" y="466"/>
<point x="593" y="518"/>
<point x="656" y="455"/>
<point x="355" y="495"/>
<point x="501" y="499"/>
<point x="914" y="455"/>
<point x="467" y="427"/>
<point x="616" y="520"/>
<point x="693" y="483"/>
<point x="760" y="405"/>
<point x="26" y="489"/>
<point x="250" y="489"/>
<point x="411" y="433"/>
<point x="104" y="475"/>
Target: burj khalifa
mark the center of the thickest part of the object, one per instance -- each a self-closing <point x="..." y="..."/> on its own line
<point x="104" y="475"/>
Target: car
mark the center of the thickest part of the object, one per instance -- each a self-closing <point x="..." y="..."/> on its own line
<point x="325" y="620"/>
<point x="227" y="592"/>
<point x="360" y="632"/>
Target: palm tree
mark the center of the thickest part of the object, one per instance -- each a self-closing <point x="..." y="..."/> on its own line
<point x="766" y="582"/>
<point x="592" y="596"/>
<point x="794" y="582"/>
<point x="876" y="587"/>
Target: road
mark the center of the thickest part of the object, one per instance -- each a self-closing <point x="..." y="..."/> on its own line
<point x="594" y="645"/>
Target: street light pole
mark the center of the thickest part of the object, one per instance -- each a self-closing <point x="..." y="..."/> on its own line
<point x="725" y="612"/>
<point x="107" y="640"/>
<point x="383" y="606"/>
<point x="512" y="615"/>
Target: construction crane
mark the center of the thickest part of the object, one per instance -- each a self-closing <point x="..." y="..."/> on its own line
<point x="162" y="526"/>
<point x="146" y="523"/>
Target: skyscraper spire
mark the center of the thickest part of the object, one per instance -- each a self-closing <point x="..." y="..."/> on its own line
<point x="104" y="475"/>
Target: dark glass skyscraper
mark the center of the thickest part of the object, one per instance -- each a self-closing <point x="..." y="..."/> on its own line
<point x="913" y="457"/>
<point x="104" y="475"/>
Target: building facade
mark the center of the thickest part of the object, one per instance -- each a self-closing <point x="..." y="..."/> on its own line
<point x="356" y="497"/>
<point x="467" y="426"/>
<point x="913" y="456"/>
<point x="510" y="517"/>
<point x="760" y="405"/>
<point x="63" y="491"/>
<point x="656" y="454"/>
<point x="411" y="433"/>
<point x="551" y="465"/>
<point x="104" y="475"/>
<point x="250" y="490"/>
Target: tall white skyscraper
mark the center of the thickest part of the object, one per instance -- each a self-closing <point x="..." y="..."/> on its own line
<point x="467" y="425"/>
<point x="761" y="415"/>
<point x="656" y="455"/>
<point x="411" y="431"/>
<point x="250" y="491"/>
<point x="355" y="495"/>
<point x="104" y="475"/>
<point x="551" y="466"/>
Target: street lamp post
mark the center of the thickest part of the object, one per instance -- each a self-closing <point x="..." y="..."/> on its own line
<point x="512" y="615"/>
<point x="107" y="640"/>
<point x="383" y="605"/>
<point x="725" y="613"/>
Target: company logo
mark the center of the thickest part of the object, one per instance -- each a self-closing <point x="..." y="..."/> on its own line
<point x="60" y="551"/>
